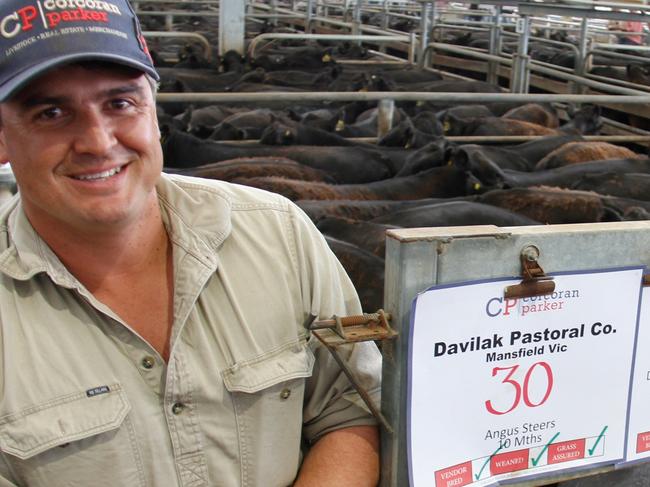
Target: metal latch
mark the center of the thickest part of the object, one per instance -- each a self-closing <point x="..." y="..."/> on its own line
<point x="343" y="330"/>
<point x="535" y="282"/>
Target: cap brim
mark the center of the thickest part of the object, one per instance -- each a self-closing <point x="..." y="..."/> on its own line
<point x="22" y="79"/>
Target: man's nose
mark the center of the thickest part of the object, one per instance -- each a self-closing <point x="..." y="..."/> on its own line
<point x="94" y="133"/>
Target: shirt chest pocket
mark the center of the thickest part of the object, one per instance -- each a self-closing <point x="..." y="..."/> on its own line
<point x="267" y="395"/>
<point x="85" y="438"/>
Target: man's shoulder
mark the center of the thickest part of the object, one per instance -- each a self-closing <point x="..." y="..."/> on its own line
<point x="236" y="197"/>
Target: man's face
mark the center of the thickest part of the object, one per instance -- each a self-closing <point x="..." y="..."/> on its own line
<point x="84" y="147"/>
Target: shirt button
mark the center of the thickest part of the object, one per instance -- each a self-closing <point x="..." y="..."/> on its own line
<point x="285" y="393"/>
<point x="178" y="407"/>
<point x="148" y="362"/>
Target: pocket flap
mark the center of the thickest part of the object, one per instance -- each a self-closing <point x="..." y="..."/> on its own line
<point x="290" y="362"/>
<point x="63" y="420"/>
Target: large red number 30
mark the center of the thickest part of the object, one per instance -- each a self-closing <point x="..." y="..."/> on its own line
<point x="519" y="390"/>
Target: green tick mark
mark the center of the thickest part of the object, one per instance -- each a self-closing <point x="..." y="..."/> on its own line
<point x="593" y="448"/>
<point x="478" y="476"/>
<point x="535" y="461"/>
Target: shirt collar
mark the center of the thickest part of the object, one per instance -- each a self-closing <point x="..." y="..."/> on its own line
<point x="197" y="218"/>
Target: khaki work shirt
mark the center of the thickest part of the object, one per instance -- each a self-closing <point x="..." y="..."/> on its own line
<point x="86" y="402"/>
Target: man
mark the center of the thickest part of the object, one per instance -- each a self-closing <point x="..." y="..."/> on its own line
<point x="634" y="31"/>
<point x="151" y="327"/>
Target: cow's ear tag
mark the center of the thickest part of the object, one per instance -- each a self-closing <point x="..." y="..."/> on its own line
<point x="340" y="125"/>
<point x="477" y="186"/>
<point x="287" y="133"/>
<point x="419" y="103"/>
<point x="446" y="126"/>
<point x="327" y="58"/>
<point x="407" y="145"/>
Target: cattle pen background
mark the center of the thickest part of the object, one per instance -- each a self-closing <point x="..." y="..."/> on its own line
<point x="429" y="141"/>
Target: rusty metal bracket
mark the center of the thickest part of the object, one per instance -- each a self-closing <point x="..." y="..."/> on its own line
<point x="646" y="280"/>
<point x="344" y="330"/>
<point x="535" y="281"/>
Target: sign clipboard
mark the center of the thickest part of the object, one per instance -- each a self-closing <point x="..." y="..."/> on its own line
<point x="525" y="431"/>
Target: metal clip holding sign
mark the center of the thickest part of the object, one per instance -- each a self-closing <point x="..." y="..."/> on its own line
<point x="351" y="329"/>
<point x="535" y="282"/>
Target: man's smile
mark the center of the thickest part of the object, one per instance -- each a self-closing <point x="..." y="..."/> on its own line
<point x="102" y="175"/>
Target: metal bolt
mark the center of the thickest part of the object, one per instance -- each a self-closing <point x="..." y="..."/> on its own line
<point x="530" y="253"/>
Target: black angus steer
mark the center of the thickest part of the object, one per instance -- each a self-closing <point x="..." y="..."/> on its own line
<point x="446" y="181"/>
<point x="344" y="164"/>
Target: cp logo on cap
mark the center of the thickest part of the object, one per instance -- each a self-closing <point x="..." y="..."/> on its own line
<point x="18" y="21"/>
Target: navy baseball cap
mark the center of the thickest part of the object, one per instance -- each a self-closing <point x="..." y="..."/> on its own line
<point x="38" y="35"/>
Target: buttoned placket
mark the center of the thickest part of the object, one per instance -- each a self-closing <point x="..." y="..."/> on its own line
<point x="176" y="387"/>
<point x="180" y="411"/>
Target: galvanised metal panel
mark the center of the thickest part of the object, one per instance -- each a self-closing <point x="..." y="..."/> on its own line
<point x="419" y="258"/>
<point x="231" y="26"/>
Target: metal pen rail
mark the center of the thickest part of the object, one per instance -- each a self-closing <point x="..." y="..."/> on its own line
<point x="178" y="13"/>
<point x="138" y="3"/>
<point x="580" y="81"/>
<point x="322" y="37"/>
<point x="487" y="139"/>
<point x="447" y="97"/>
<point x="330" y="37"/>
<point x="533" y="66"/>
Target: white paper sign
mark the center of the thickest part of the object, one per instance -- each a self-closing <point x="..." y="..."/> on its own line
<point x="638" y="441"/>
<point x="504" y="388"/>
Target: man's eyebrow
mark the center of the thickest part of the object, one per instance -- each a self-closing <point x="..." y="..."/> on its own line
<point x="38" y="100"/>
<point x="124" y="90"/>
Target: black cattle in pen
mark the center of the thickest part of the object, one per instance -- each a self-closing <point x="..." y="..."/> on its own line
<point x="202" y="121"/>
<point x="249" y="124"/>
<point x="582" y="151"/>
<point x="441" y="178"/>
<point x="366" y="210"/>
<point x="446" y="181"/>
<point x="279" y="133"/>
<point x="185" y="80"/>
<point x="407" y="135"/>
<point x="539" y="113"/>
<point x="308" y="57"/>
<point x="365" y="124"/>
<point x="585" y="121"/>
<point x="455" y="213"/>
<point x="549" y="205"/>
<point x="466" y="111"/>
<point x="522" y="157"/>
<point x="370" y="236"/>
<point x="626" y="208"/>
<point x="304" y="80"/>
<point x="493" y="177"/>
<point x="248" y="167"/>
<point x="365" y="269"/>
<point x="451" y="86"/>
<point x="629" y="185"/>
<point x="344" y="164"/>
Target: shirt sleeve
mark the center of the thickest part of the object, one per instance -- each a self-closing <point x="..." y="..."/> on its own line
<point x="331" y="401"/>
